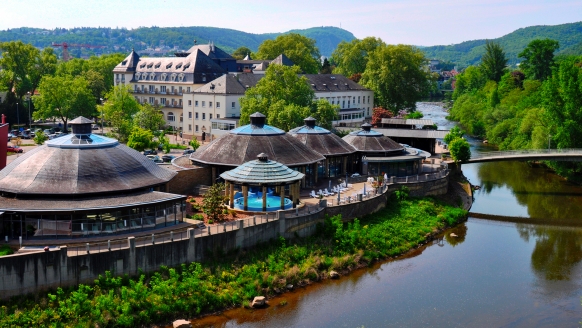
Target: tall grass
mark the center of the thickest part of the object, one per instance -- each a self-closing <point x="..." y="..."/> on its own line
<point x="234" y="279"/>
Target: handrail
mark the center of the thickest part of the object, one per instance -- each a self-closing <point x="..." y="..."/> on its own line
<point x="515" y="153"/>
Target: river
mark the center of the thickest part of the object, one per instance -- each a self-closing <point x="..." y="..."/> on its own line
<point x="496" y="273"/>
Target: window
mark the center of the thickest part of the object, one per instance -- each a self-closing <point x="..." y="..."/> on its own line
<point x="222" y="126"/>
<point x="233" y="104"/>
<point x="203" y="104"/>
<point x="188" y="89"/>
<point x="217" y="115"/>
<point x="196" y="128"/>
<point x="196" y="115"/>
<point x="344" y="104"/>
<point x="163" y="101"/>
<point x="189" y="127"/>
<point x="203" y="116"/>
<point x="180" y="90"/>
<point x="171" y="117"/>
<point x="189" y="102"/>
<point x="189" y="114"/>
<point x="196" y="103"/>
<point x="358" y="99"/>
<point x="348" y="104"/>
<point x="181" y="77"/>
<point x="152" y="100"/>
<point x="181" y="118"/>
<point x="163" y="76"/>
<point x="163" y="89"/>
<point x="209" y="116"/>
<point x="180" y="102"/>
<point x="217" y="104"/>
<point x="368" y="99"/>
<point x="152" y="89"/>
<point x="210" y="104"/>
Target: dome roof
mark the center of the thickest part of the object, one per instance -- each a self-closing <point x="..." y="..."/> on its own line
<point x="242" y="144"/>
<point x="78" y="164"/>
<point x="321" y="140"/>
<point x="262" y="171"/>
<point x="369" y="141"/>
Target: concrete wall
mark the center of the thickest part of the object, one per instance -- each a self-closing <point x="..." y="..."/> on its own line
<point x="34" y="272"/>
<point x="187" y="179"/>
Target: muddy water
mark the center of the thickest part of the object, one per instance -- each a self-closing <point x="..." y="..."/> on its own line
<point x="494" y="274"/>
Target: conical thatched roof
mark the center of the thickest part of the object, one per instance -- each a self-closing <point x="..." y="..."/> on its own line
<point x="262" y="171"/>
<point x="321" y="140"/>
<point x="370" y="141"/>
<point x="242" y="144"/>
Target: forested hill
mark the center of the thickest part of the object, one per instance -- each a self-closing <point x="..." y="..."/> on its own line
<point x="123" y="40"/>
<point x="470" y="52"/>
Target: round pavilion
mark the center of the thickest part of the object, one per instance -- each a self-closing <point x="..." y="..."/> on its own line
<point x="83" y="184"/>
<point x="270" y="177"/>
<point x="338" y="153"/>
<point x="378" y="154"/>
<point x="242" y="144"/>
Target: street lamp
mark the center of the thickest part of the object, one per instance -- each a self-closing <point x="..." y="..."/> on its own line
<point x="29" y="118"/>
<point x="17" y="116"/>
<point x="549" y="139"/>
<point x="101" y="99"/>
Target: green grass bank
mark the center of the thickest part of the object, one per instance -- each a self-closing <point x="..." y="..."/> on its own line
<point x="234" y="279"/>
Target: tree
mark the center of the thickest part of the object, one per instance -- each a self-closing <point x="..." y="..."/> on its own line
<point x="460" y="150"/>
<point x="397" y="77"/>
<point x="119" y="110"/>
<point x="351" y="58"/>
<point x="149" y="117"/>
<point x="493" y="62"/>
<point x="241" y="53"/>
<point x="140" y="139"/>
<point x="325" y="67"/>
<point x="299" y="49"/>
<point x="453" y="134"/>
<point x="23" y="66"/>
<point x="96" y="83"/>
<point x="63" y="97"/>
<point x="280" y="84"/>
<point x="194" y="143"/>
<point x="470" y="80"/>
<point x="378" y="113"/>
<point x="539" y="58"/>
<point x="213" y="202"/>
<point x="286" y="98"/>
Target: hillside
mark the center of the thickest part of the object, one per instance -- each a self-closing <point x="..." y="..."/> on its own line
<point x="470" y="52"/>
<point x="170" y="38"/>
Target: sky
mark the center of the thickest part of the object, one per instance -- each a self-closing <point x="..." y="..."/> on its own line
<point x="416" y="22"/>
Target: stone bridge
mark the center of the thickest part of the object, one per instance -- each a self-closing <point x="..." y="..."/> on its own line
<point x="570" y="155"/>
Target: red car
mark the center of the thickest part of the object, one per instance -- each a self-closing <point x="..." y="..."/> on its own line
<point x="13" y="149"/>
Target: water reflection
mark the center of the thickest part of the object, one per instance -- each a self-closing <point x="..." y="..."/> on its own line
<point x="460" y="232"/>
<point x="546" y="195"/>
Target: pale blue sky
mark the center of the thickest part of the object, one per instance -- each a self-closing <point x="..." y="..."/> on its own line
<point x="418" y="22"/>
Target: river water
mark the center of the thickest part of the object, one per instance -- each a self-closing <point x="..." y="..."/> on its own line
<point x="496" y="273"/>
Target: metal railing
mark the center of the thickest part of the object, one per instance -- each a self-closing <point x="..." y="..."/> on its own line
<point x="421" y="177"/>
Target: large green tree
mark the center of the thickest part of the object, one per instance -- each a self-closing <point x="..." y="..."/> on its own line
<point x="140" y="139"/>
<point x="119" y="108"/>
<point x="539" y="58"/>
<point x="286" y="98"/>
<point x="494" y="61"/>
<point x="63" y="97"/>
<point x="351" y="58"/>
<point x="241" y="52"/>
<point x="149" y="117"/>
<point x="23" y="66"/>
<point x="397" y="76"/>
<point x="300" y="49"/>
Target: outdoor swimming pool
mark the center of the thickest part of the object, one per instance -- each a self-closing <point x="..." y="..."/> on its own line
<point x="255" y="203"/>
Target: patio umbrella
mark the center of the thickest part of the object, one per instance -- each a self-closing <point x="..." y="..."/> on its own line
<point x="385" y="178"/>
<point x="364" y="188"/>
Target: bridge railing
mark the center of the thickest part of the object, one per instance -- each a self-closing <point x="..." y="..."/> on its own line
<point x="509" y="153"/>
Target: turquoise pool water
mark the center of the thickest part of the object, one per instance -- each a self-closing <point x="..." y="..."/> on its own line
<point x="255" y="203"/>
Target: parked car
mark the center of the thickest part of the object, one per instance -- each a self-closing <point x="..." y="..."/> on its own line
<point x="155" y="158"/>
<point x="95" y="127"/>
<point x="10" y="136"/>
<point x="14" y="149"/>
<point x="199" y="225"/>
<point x="168" y="158"/>
<point x="188" y="151"/>
<point x="150" y="152"/>
<point x="26" y="134"/>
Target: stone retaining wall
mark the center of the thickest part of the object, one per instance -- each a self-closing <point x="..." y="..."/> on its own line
<point x="35" y="272"/>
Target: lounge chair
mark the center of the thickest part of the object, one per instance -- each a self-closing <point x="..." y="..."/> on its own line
<point x="313" y="194"/>
<point x="329" y="193"/>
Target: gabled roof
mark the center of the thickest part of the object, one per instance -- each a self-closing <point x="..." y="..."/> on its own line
<point x="282" y="60"/>
<point x="211" y="51"/>
<point x="230" y="84"/>
<point x="332" y="82"/>
<point x="129" y="64"/>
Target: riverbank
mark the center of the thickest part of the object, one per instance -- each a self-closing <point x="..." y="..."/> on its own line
<point x="234" y="279"/>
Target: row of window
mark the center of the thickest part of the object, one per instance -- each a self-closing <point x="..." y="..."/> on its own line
<point x="233" y="104"/>
<point x="163" y="88"/>
<point x="343" y="102"/>
<point x="196" y="128"/>
<point x="203" y="116"/>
